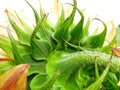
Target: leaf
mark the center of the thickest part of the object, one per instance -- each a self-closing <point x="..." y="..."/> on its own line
<point x="95" y="41"/>
<point x="43" y="82"/>
<point x="46" y="23"/>
<point x="35" y="12"/>
<point x="27" y="28"/>
<point x="39" y="24"/>
<point x="86" y="27"/>
<point x="107" y="48"/>
<point x="85" y="76"/>
<point x="22" y="36"/>
<point x="15" y="78"/>
<point x="17" y="56"/>
<point x="38" y="80"/>
<point x="112" y="78"/>
<point x="36" y="68"/>
<point x="62" y="31"/>
<point x="110" y="40"/>
<point x="44" y="33"/>
<point x="77" y="32"/>
<point x="97" y="84"/>
<point x="26" y="54"/>
<point x="5" y="65"/>
<point x="61" y="19"/>
<point x="72" y="82"/>
<point x="22" y="54"/>
<point x="5" y="42"/>
<point x="40" y="49"/>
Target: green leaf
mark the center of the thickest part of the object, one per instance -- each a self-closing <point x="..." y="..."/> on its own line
<point x="40" y="49"/>
<point x="36" y="29"/>
<point x="44" y="33"/>
<point x="72" y="82"/>
<point x="98" y="83"/>
<point x="38" y="80"/>
<point x="112" y="78"/>
<point x="40" y="46"/>
<point x="35" y="12"/>
<point x="5" y="42"/>
<point x="25" y="52"/>
<point x="62" y="31"/>
<point x="4" y="66"/>
<point x="27" y="29"/>
<point x="86" y="27"/>
<point x="46" y="23"/>
<point x="85" y="76"/>
<point x="77" y="32"/>
<point x="95" y="41"/>
<point x="22" y="36"/>
<point x="37" y="67"/>
<point x="43" y="82"/>
<point x="107" y="48"/>
<point x="61" y="19"/>
<point x="17" y="56"/>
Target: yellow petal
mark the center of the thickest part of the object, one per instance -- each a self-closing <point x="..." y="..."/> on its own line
<point x="15" y="78"/>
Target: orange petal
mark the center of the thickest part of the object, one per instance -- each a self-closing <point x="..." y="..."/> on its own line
<point x="5" y="59"/>
<point x="116" y="51"/>
<point x="15" y="78"/>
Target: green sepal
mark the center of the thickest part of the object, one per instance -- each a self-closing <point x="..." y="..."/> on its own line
<point x="95" y="41"/>
<point x="22" y="36"/>
<point x="62" y="31"/>
<point x="41" y="46"/>
<point x="113" y="79"/>
<point x="98" y="83"/>
<point x="35" y="12"/>
<point x="77" y="32"/>
<point x="107" y="48"/>
<point x="61" y="19"/>
<point x="44" y="33"/>
<point x="5" y="65"/>
<point x="17" y="56"/>
<point x="37" y="68"/>
<point x="43" y="82"/>
<point x="86" y="27"/>
<point x="26" y="27"/>
<point x="40" y="49"/>
<point x="5" y="42"/>
<point x="46" y="23"/>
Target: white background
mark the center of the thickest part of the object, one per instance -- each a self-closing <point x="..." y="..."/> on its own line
<point x="107" y="10"/>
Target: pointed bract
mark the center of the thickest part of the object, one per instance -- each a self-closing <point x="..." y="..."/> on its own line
<point x="15" y="78"/>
